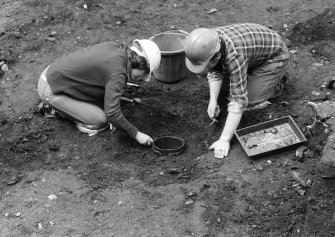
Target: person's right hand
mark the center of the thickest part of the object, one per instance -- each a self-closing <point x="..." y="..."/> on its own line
<point x="143" y="139"/>
<point x="213" y="109"/>
<point x="221" y="148"/>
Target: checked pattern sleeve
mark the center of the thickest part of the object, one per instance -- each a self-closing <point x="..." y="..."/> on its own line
<point x="247" y="46"/>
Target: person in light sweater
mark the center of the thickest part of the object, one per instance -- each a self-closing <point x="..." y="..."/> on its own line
<point x="85" y="86"/>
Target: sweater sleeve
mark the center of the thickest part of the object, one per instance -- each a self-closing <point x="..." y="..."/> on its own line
<point x="113" y="91"/>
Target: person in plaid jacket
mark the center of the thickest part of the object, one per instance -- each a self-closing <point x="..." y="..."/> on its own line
<point x="249" y="59"/>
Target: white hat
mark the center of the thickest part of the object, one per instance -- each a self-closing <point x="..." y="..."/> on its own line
<point x="150" y="51"/>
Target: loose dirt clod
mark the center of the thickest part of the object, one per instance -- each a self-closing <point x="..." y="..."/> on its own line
<point x="298" y="179"/>
<point x="189" y="202"/>
<point x="173" y="171"/>
<point x="330" y="84"/>
<point x="4" y="67"/>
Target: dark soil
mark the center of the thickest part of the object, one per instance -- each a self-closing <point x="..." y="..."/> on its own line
<point x="108" y="185"/>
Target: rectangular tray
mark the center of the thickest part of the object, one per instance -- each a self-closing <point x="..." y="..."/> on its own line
<point x="270" y="137"/>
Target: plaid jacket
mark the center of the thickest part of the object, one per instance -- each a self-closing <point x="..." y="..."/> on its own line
<point x="245" y="46"/>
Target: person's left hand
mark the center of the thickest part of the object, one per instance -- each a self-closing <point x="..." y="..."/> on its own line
<point x="221" y="148"/>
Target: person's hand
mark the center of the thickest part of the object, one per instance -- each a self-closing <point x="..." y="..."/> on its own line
<point x="221" y="148"/>
<point x="143" y="139"/>
<point x="213" y="109"/>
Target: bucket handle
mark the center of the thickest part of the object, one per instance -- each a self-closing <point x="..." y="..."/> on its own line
<point x="177" y="31"/>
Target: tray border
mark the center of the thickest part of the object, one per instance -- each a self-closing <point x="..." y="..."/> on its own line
<point x="267" y="124"/>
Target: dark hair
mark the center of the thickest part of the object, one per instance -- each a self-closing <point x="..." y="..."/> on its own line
<point x="137" y="61"/>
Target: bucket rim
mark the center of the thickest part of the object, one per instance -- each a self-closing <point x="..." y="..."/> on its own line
<point x="175" y="52"/>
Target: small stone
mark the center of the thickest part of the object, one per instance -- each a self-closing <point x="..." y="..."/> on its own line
<point x="51" y="39"/>
<point x="316" y="93"/>
<point x="181" y="175"/>
<point x="267" y="203"/>
<point x="284" y="103"/>
<point x="18" y="214"/>
<point x="155" y="206"/>
<point x="13" y="180"/>
<point x="189" y="202"/>
<point x="309" y="153"/>
<point x="317" y="64"/>
<point x="299" y="153"/>
<point x="4" y="68"/>
<point x="301" y="192"/>
<point x="296" y="177"/>
<point x="53" y="34"/>
<point x="212" y="10"/>
<point x="272" y="207"/>
<point x="191" y="194"/>
<point x="174" y="171"/>
<point x="259" y="167"/>
<point x="309" y="183"/>
<point x="29" y="202"/>
<point x="52" y="197"/>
